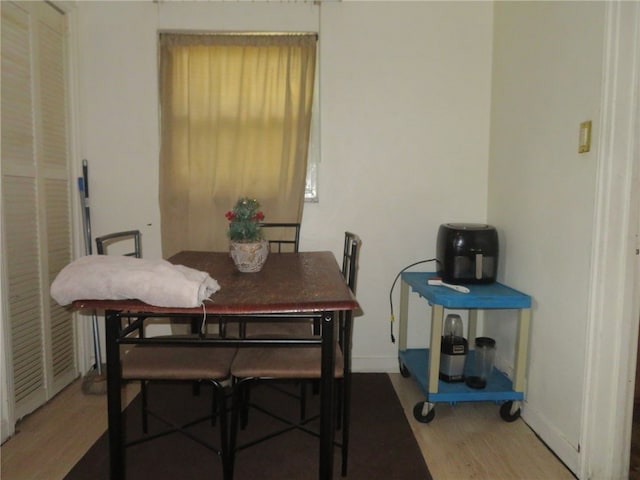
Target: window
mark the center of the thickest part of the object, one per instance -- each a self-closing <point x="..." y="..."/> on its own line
<point x="236" y="115"/>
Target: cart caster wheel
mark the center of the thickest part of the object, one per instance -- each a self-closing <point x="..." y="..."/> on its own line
<point x="417" y="413"/>
<point x="404" y="371"/>
<point x="505" y="412"/>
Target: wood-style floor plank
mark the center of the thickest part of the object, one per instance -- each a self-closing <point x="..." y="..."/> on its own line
<point x="470" y="440"/>
<point x="50" y="441"/>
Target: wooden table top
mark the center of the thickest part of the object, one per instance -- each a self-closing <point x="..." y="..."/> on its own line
<point x="288" y="283"/>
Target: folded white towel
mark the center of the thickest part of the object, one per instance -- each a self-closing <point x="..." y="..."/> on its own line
<point x="116" y="277"/>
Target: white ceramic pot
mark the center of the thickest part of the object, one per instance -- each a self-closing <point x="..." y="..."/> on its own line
<point x="249" y="257"/>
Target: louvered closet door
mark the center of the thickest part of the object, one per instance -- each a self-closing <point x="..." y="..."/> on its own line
<point x="36" y="193"/>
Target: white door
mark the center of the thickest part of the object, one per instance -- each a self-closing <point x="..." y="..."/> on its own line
<point x="36" y="204"/>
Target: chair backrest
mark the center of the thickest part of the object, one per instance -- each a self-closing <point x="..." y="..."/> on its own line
<point x="350" y="259"/>
<point x="282" y="237"/>
<point x="105" y="240"/>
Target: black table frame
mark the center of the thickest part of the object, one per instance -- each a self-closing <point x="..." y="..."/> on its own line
<point x="135" y="312"/>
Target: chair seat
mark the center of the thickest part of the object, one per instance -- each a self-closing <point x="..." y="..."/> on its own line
<point x="282" y="362"/>
<point x="177" y="362"/>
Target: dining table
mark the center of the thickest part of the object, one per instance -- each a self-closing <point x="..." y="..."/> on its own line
<point x="309" y="284"/>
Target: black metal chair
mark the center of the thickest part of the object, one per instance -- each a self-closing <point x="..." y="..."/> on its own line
<point x="282" y="236"/>
<point x="129" y="244"/>
<point x="168" y="363"/>
<point x="103" y="242"/>
<point x="261" y="364"/>
<point x="152" y="362"/>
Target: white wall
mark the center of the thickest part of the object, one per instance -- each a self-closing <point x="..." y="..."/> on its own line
<point x="405" y="103"/>
<point x="119" y="116"/>
<point x="547" y="79"/>
<point x="405" y="91"/>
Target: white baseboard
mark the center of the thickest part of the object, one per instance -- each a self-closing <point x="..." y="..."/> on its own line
<point x="6" y="430"/>
<point x="375" y="364"/>
<point x="552" y="437"/>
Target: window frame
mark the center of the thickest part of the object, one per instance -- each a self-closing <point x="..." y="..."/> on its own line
<point x="313" y="157"/>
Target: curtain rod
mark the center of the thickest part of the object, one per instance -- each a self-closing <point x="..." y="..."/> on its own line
<point x="235" y="33"/>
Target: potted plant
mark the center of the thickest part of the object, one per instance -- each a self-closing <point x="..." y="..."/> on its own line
<point x="248" y="249"/>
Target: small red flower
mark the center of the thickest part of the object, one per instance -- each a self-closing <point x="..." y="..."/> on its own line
<point x="258" y="216"/>
<point x="230" y="215"/>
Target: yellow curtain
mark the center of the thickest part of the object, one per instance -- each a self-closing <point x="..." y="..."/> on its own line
<point x="236" y="112"/>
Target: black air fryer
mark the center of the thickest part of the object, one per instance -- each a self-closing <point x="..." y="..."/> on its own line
<point x="467" y="253"/>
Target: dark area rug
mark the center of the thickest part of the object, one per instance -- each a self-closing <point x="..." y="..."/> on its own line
<point x="634" y="467"/>
<point x="382" y="445"/>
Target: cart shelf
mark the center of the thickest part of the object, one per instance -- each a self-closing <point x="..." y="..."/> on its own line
<point x="499" y="387"/>
<point x="424" y="363"/>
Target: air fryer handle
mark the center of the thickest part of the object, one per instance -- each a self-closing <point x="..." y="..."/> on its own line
<point x="479" y="257"/>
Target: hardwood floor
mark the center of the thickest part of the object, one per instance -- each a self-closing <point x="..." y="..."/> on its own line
<point x="466" y="441"/>
<point x="470" y="440"/>
<point x="51" y="440"/>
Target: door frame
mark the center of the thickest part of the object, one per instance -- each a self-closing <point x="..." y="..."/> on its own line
<point x="614" y="306"/>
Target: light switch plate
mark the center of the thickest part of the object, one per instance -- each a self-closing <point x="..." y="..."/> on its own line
<point x="584" y="141"/>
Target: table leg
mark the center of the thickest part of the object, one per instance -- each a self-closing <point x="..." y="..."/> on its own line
<point x="114" y="399"/>
<point x="346" y="387"/>
<point x="327" y="396"/>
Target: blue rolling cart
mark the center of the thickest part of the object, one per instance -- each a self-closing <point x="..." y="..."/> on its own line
<point x="424" y="363"/>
